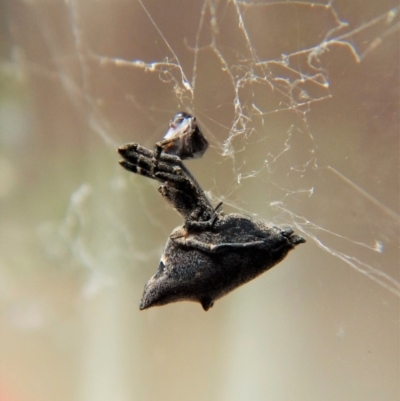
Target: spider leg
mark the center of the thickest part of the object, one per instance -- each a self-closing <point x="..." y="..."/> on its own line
<point x="183" y="172"/>
<point x="143" y="157"/>
<point x="185" y="201"/>
<point x="158" y="148"/>
<point x="138" y="159"/>
<point x="171" y="170"/>
<point x="131" y="150"/>
<point x="173" y="177"/>
<point x="193" y="222"/>
<point x="210" y="248"/>
<point x="134" y="168"/>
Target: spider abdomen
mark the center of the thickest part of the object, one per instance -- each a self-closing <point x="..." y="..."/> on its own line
<point x="204" y="266"/>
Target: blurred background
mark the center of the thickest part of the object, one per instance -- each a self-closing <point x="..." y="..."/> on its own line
<point x="300" y="103"/>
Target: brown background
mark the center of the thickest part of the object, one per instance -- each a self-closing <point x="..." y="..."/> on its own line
<point x="301" y="105"/>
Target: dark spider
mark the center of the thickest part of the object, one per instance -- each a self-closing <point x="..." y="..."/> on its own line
<point x="212" y="253"/>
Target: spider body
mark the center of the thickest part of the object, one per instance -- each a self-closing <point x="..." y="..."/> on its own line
<point x="203" y="266"/>
<point x="212" y="253"/>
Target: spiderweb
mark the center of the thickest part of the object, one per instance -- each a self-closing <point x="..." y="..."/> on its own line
<point x="299" y="100"/>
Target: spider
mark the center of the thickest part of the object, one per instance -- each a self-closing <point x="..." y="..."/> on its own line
<point x="212" y="253"/>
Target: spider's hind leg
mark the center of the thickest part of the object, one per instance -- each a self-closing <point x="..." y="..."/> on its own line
<point x="191" y="242"/>
<point x="193" y="222"/>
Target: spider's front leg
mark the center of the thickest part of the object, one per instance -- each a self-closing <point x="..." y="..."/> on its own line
<point x="180" y="188"/>
<point x="137" y="159"/>
<point x="196" y="213"/>
<point x="181" y="183"/>
<point x="158" y="148"/>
